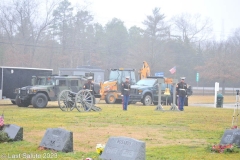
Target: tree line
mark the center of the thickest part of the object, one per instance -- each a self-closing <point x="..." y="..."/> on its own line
<point x="55" y="34"/>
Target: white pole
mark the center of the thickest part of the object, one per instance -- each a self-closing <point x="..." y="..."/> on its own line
<point x="159" y="106"/>
<point x="1" y="90"/>
<point x="216" y="90"/>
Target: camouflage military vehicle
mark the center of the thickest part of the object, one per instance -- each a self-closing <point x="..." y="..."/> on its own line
<point x="47" y="88"/>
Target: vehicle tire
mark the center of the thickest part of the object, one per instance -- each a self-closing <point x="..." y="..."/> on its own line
<point x="13" y="102"/>
<point x="147" y="100"/>
<point x="17" y="101"/>
<point x="110" y="98"/>
<point x="186" y="101"/>
<point x="40" y="100"/>
<point x="20" y="103"/>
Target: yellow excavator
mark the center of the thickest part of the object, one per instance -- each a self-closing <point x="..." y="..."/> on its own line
<point x="110" y="90"/>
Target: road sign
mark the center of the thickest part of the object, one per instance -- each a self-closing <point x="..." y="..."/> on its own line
<point x="159" y="74"/>
<point x="197" y="77"/>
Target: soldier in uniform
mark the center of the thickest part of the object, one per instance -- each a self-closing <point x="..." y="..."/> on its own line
<point x="181" y="93"/>
<point x="90" y="86"/>
<point x="126" y="86"/>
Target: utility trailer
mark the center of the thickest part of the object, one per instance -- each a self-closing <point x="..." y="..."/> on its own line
<point x="93" y="71"/>
<point x="17" y="77"/>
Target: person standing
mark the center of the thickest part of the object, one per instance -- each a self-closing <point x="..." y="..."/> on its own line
<point x="171" y="93"/>
<point x="89" y="85"/>
<point x="181" y="93"/>
<point x="126" y="86"/>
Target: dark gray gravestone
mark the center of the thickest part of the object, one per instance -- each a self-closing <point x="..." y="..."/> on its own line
<point x="124" y="148"/>
<point x="14" y="132"/>
<point x="231" y="136"/>
<point x="58" y="139"/>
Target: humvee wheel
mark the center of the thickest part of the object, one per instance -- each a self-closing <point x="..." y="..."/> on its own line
<point x="40" y="100"/>
<point x="110" y="98"/>
<point x="20" y="103"/>
<point x="66" y="101"/>
<point x="84" y="101"/>
<point x="13" y="102"/>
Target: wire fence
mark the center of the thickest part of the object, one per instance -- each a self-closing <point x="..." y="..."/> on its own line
<point x="211" y="91"/>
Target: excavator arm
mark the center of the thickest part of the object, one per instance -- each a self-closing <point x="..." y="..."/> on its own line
<point x="144" y="72"/>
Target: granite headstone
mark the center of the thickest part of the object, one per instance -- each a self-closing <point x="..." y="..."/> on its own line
<point x="14" y="132"/>
<point x="58" y="139"/>
<point x="231" y="136"/>
<point x="124" y="148"/>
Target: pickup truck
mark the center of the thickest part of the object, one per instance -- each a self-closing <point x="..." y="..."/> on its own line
<point x="146" y="92"/>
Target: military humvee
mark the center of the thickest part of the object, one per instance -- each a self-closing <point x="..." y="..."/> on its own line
<point x="47" y="88"/>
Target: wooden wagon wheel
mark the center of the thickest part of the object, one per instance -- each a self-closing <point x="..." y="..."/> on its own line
<point x="66" y="100"/>
<point x="84" y="101"/>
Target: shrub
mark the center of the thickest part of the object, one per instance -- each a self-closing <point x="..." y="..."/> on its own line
<point x="3" y="136"/>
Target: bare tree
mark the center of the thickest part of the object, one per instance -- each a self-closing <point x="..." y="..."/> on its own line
<point x="21" y="20"/>
<point x="192" y="28"/>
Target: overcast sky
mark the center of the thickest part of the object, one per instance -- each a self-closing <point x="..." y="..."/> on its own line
<point x="223" y="13"/>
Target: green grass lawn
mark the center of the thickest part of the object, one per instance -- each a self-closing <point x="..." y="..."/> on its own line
<point x="168" y="135"/>
<point x="210" y="99"/>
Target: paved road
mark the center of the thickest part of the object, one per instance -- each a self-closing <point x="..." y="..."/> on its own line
<point x="227" y="105"/>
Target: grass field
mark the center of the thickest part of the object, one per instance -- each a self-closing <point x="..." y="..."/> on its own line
<point x="210" y="99"/>
<point x="168" y="135"/>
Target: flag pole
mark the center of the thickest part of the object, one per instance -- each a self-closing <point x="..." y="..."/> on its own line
<point x="175" y="72"/>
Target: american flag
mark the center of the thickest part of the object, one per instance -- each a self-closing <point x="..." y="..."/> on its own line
<point x="1" y="120"/>
<point x="173" y="70"/>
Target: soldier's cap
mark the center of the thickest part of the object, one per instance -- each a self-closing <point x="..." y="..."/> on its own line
<point x="183" y="78"/>
<point x="89" y="78"/>
<point x="127" y="77"/>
